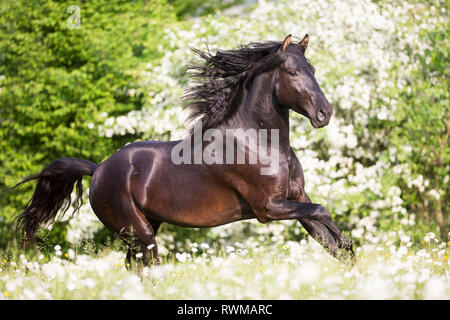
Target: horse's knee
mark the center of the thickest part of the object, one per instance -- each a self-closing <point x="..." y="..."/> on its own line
<point x="146" y="236"/>
<point x="267" y="215"/>
<point x="321" y="213"/>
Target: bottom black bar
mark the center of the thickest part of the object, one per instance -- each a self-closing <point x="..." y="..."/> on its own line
<point x="220" y="309"/>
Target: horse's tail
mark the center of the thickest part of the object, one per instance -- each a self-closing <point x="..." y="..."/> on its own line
<point x="54" y="186"/>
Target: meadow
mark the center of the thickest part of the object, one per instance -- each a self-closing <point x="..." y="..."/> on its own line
<point x="254" y="269"/>
<point x="381" y="166"/>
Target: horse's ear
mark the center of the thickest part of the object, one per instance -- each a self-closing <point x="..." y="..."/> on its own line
<point x="286" y="43"/>
<point x="304" y="42"/>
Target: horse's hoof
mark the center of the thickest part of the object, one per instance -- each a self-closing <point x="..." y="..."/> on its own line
<point x="346" y="243"/>
<point x="346" y="253"/>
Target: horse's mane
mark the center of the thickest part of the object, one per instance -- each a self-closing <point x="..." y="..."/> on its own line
<point x="221" y="75"/>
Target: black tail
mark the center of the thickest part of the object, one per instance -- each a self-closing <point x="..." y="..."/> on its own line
<point x="52" y="194"/>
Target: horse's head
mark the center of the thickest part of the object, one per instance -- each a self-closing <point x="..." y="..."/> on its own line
<point x="296" y="86"/>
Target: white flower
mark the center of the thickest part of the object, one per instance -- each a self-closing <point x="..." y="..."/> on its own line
<point x="70" y="286"/>
<point x="357" y="233"/>
<point x="89" y="283"/>
<point x="157" y="272"/>
<point x="183" y="257"/>
<point x="28" y="294"/>
<point x="435" y="289"/>
<point x="405" y="239"/>
<point x="53" y="270"/>
<point x="197" y="290"/>
<point x="229" y="249"/>
<point x="12" y="285"/>
<point x="308" y="273"/>
<point x="71" y="253"/>
<point x="171" y="290"/>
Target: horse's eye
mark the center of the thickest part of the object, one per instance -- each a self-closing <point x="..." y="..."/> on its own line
<point x="292" y="73"/>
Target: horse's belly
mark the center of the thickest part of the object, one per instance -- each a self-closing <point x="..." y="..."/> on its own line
<point x="204" y="210"/>
<point x="188" y="195"/>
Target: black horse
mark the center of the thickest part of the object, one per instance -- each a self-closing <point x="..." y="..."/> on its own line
<point x="141" y="186"/>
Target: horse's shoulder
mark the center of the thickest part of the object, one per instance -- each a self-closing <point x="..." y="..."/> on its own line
<point x="295" y="168"/>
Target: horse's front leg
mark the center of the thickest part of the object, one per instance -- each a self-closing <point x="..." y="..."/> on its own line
<point x="317" y="221"/>
<point x="320" y="233"/>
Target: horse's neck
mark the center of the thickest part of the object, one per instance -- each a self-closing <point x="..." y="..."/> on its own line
<point x="257" y="108"/>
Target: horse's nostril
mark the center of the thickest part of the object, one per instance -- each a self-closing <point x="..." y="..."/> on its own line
<point x="321" y="115"/>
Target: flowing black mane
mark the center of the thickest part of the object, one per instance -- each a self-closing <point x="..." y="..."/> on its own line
<point x="221" y="75"/>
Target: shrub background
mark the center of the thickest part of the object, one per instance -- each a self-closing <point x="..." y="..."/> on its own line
<point x="382" y="165"/>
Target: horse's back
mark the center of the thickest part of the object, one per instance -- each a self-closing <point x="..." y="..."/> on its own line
<point x="135" y="155"/>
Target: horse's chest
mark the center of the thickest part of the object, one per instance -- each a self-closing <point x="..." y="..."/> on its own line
<point x="296" y="182"/>
<point x="289" y="184"/>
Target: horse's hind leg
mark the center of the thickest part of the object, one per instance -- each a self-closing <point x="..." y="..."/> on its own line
<point x="149" y="253"/>
<point x="125" y="219"/>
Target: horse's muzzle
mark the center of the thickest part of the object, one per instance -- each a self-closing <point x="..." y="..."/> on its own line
<point x="322" y="117"/>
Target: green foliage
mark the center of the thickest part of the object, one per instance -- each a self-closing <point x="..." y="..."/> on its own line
<point x="421" y="132"/>
<point x="184" y="8"/>
<point x="58" y="84"/>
